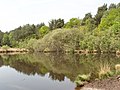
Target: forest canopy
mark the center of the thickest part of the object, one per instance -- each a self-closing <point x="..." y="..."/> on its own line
<point x="100" y="32"/>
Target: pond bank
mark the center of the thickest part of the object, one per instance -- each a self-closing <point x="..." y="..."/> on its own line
<point x="13" y="50"/>
<point x="82" y="51"/>
<point x="95" y="51"/>
<point x="112" y="83"/>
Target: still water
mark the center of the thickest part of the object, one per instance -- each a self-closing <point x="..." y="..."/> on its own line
<point x="48" y="71"/>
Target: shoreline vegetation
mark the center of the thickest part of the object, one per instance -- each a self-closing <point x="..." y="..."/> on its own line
<point x="105" y="73"/>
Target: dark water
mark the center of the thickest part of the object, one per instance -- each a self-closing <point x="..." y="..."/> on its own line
<point x="48" y="72"/>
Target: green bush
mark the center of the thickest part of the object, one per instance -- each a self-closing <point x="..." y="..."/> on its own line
<point x="106" y="75"/>
<point x="59" y="40"/>
<point x="5" y="47"/>
<point x="82" y="79"/>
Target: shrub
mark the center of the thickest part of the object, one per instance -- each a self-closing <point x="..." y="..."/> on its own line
<point x="5" y="47"/>
<point x="82" y="79"/>
<point x="117" y="68"/>
<point x="59" y="40"/>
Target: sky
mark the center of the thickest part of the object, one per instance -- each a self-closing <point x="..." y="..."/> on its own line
<point x="15" y="13"/>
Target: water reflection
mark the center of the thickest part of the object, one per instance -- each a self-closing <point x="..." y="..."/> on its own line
<point x="59" y="67"/>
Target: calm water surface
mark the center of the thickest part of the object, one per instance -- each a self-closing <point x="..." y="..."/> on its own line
<point x="48" y="72"/>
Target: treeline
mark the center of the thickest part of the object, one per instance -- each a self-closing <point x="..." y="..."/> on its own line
<point x="100" y="32"/>
<point x="19" y="34"/>
<point x="27" y="32"/>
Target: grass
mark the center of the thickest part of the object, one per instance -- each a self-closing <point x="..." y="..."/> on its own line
<point x="105" y="71"/>
<point x="117" y="68"/>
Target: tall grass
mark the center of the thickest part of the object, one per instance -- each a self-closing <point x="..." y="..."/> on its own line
<point x="104" y="71"/>
<point x="117" y="68"/>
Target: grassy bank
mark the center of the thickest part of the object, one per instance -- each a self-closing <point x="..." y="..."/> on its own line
<point x="104" y="72"/>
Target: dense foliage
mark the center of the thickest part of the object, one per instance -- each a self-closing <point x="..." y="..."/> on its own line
<point x="100" y="32"/>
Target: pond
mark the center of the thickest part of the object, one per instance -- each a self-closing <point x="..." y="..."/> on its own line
<point x="40" y="71"/>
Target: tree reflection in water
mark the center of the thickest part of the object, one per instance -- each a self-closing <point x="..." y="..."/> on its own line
<point x="58" y="66"/>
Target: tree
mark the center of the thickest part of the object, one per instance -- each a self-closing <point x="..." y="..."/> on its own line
<point x="118" y="5"/>
<point x="5" y="40"/>
<point x="37" y="27"/>
<point x="90" y="24"/>
<point x="110" y="18"/>
<point x="60" y="23"/>
<point x="1" y="36"/>
<point x="100" y="13"/>
<point x="44" y="30"/>
<point x="12" y="40"/>
<point x="73" y="23"/>
<point x="56" y="23"/>
<point x="87" y="16"/>
<point x="112" y="5"/>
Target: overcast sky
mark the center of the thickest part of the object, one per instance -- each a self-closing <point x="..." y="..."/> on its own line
<point x="15" y="13"/>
